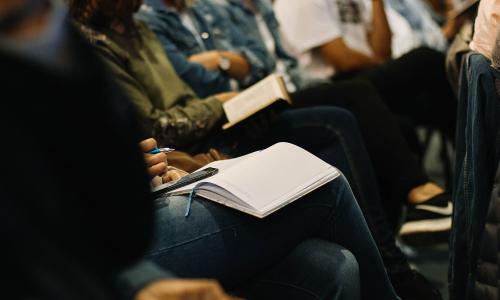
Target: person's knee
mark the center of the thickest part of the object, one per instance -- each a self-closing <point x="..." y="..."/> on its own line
<point x="334" y="267"/>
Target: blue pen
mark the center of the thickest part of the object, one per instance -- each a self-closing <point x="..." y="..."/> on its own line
<point x="160" y="150"/>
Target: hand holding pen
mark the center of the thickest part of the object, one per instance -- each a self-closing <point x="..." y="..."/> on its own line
<point x="160" y="150"/>
<point x="156" y="158"/>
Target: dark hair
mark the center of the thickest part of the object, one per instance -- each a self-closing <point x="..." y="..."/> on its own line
<point x="100" y="14"/>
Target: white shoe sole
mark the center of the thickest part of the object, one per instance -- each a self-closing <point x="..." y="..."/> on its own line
<point x="435" y="225"/>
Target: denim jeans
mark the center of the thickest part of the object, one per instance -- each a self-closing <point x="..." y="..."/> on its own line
<point x="477" y="156"/>
<point x="318" y="247"/>
<point x="332" y="134"/>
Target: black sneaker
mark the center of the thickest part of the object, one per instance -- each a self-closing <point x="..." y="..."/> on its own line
<point x="414" y="286"/>
<point x="432" y="216"/>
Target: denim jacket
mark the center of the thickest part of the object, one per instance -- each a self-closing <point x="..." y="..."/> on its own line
<point x="477" y="156"/>
<point x="244" y="20"/>
<point x="216" y="33"/>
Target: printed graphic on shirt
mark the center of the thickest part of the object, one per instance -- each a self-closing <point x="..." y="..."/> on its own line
<point x="349" y="11"/>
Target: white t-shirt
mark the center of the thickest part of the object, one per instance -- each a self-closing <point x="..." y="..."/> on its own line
<point x="403" y="38"/>
<point x="268" y="39"/>
<point x="307" y="24"/>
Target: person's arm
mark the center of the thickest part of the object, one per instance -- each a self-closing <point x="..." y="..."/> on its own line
<point x="380" y="35"/>
<point x="179" y="125"/>
<point x="204" y="81"/>
<point x="157" y="164"/>
<point x="239" y="67"/>
<point x="343" y="58"/>
<point x="321" y="32"/>
<point x="146" y="281"/>
<point x="181" y="289"/>
<point x="260" y="62"/>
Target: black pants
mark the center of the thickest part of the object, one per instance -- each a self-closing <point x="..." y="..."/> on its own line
<point x="414" y="85"/>
<point x="396" y="166"/>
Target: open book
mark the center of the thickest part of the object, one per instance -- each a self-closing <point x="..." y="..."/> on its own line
<point x="262" y="182"/>
<point x="255" y="98"/>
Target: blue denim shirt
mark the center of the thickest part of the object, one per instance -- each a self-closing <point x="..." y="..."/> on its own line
<point x="216" y="33"/>
<point x="420" y="18"/>
<point x="244" y="19"/>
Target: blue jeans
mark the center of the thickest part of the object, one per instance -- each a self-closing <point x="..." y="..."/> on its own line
<point x="332" y="134"/>
<point x="316" y="248"/>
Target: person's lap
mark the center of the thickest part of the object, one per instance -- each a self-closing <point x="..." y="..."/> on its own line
<point x="218" y="242"/>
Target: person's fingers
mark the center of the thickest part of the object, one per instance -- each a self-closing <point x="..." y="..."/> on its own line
<point x="148" y="145"/>
<point x="154" y="159"/>
<point x="157" y="169"/>
<point x="174" y="174"/>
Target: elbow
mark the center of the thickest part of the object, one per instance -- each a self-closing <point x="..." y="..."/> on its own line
<point x="382" y="58"/>
<point x="384" y="55"/>
<point x="345" y="64"/>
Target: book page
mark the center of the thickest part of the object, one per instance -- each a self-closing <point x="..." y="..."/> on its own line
<point x="255" y="98"/>
<point x="273" y="174"/>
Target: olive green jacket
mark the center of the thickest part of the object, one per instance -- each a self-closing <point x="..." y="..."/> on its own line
<point x="170" y="110"/>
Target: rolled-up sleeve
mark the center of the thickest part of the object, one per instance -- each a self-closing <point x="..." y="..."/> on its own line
<point x="189" y="120"/>
<point x="204" y="82"/>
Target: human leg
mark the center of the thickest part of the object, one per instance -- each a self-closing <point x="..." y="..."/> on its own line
<point x="415" y="85"/>
<point x="397" y="168"/>
<point x="292" y="277"/>
<point x="331" y="133"/>
<point x="218" y="242"/>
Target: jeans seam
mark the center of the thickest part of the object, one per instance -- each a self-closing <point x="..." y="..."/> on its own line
<point x="350" y="161"/>
<point x="162" y="250"/>
<point x="159" y="251"/>
<point x="289" y="285"/>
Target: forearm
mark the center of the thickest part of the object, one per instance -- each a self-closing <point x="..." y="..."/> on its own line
<point x="344" y="59"/>
<point x="185" y="125"/>
<point x="380" y="37"/>
<point x="239" y="69"/>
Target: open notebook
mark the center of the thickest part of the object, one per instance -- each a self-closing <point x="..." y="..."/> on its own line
<point x="265" y="181"/>
<point x="255" y="98"/>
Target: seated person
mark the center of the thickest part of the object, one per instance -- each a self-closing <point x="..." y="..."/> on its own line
<point x="150" y="87"/>
<point x="74" y="240"/>
<point x="384" y="141"/>
<point x="218" y="242"/>
<point x="424" y="25"/>
<point x="389" y="151"/>
<point x="486" y="28"/>
<point x="352" y="39"/>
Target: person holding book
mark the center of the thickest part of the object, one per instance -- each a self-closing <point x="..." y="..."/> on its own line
<point x="389" y="152"/>
<point x="176" y="117"/>
<point x="401" y="177"/>
<point x="75" y="209"/>
<point x="267" y="258"/>
<point x="70" y="233"/>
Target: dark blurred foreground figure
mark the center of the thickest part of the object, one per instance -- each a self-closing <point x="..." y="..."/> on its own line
<point x="71" y="221"/>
